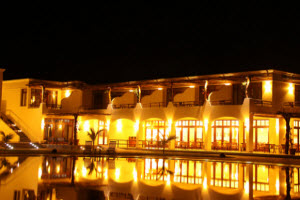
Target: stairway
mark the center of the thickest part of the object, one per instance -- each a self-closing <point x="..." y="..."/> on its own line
<point x="15" y="128"/>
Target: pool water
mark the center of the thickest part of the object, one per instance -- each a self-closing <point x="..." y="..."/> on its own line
<point x="143" y="178"/>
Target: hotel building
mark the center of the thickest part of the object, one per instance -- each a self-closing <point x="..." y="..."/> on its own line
<point x="232" y="111"/>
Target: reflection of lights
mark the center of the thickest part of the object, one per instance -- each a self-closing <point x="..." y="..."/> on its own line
<point x="247" y="187"/>
<point x="117" y="173"/>
<point x="168" y="180"/>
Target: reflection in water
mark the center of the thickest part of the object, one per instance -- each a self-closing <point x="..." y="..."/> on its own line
<point x="53" y="178"/>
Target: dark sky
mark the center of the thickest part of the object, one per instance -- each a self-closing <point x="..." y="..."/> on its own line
<point x="121" y="41"/>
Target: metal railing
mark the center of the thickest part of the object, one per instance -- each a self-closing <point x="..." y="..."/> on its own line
<point x="221" y="102"/>
<point x="188" y="103"/>
<point x="224" y="146"/>
<point x="53" y="106"/>
<point x="292" y="104"/>
<point x="154" y="104"/>
<point x="260" y="102"/>
<point x="125" y="143"/>
<point x="152" y="144"/>
<point x="123" y="106"/>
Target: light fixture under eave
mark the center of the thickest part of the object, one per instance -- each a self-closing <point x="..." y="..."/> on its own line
<point x="159" y="88"/>
<point x="191" y="86"/>
<point x="227" y="84"/>
<point x="130" y="90"/>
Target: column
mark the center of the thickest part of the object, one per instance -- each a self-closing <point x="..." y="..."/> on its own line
<point x="241" y="135"/>
<point x="249" y="134"/>
<point x="207" y="133"/>
<point x="172" y="133"/>
<point x="248" y="188"/>
<point x="139" y="136"/>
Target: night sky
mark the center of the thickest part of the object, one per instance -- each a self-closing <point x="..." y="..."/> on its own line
<point x="120" y="41"/>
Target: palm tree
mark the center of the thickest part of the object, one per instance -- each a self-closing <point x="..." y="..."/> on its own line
<point x="166" y="141"/>
<point x="6" y="138"/>
<point x="93" y="135"/>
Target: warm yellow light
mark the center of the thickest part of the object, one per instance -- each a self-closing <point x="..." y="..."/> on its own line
<point x="277" y="126"/>
<point x="46" y="163"/>
<point x="205" y="183"/>
<point x="291" y="88"/>
<point x="268" y="86"/>
<point x="107" y="124"/>
<point x="117" y="173"/>
<point x="83" y="171"/>
<point x="191" y="86"/>
<point x="86" y="126"/>
<point x="277" y="186"/>
<point x="206" y="124"/>
<point x="67" y="93"/>
<point x="134" y="175"/>
<point x="49" y="169"/>
<point x="60" y="126"/>
<point x="227" y="84"/>
<point x="105" y="174"/>
<point x="53" y="95"/>
<point x="40" y="173"/>
<point x="136" y="125"/>
<point x="168" y="180"/>
<point x="130" y="90"/>
<point x="247" y="124"/>
<point x="159" y="88"/>
<point x="119" y="125"/>
<point x="247" y="187"/>
<point x="57" y="168"/>
<point x="43" y="124"/>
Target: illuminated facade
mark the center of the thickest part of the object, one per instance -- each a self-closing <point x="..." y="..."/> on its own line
<point x="234" y="111"/>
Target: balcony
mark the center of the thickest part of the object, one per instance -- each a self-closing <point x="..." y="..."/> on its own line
<point x="291" y="104"/>
<point x="260" y="102"/>
<point x="221" y="102"/>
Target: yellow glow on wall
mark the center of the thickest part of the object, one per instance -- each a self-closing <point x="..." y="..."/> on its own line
<point x="40" y="173"/>
<point x="168" y="180"/>
<point x="268" y="86"/>
<point x="49" y="169"/>
<point x="57" y="168"/>
<point x="136" y="125"/>
<point x="205" y="183"/>
<point x="191" y="86"/>
<point x="135" y="175"/>
<point x="277" y="186"/>
<point x="105" y="174"/>
<point x="53" y="95"/>
<point x="117" y="173"/>
<point x="291" y="88"/>
<point x="227" y="84"/>
<point x="83" y="171"/>
<point x="86" y="126"/>
<point x="206" y="124"/>
<point x="107" y="124"/>
<point x="43" y="124"/>
<point x="60" y="126"/>
<point x="277" y="126"/>
<point x="119" y="125"/>
<point x="247" y="124"/>
<point x="67" y="93"/>
<point x="130" y="90"/>
<point x="159" y="88"/>
<point x="247" y="187"/>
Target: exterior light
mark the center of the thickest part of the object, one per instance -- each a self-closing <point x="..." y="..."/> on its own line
<point x="159" y="88"/>
<point x="43" y="124"/>
<point x="227" y="84"/>
<point x="67" y="93"/>
<point x="130" y="90"/>
<point x="119" y="125"/>
<point x="191" y="86"/>
<point x="117" y="173"/>
<point x="136" y="125"/>
<point x="291" y="88"/>
<point x="86" y="126"/>
<point x="40" y="173"/>
<point x="268" y="86"/>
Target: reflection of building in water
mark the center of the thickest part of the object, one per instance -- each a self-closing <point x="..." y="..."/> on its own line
<point x="19" y="178"/>
<point x="153" y="178"/>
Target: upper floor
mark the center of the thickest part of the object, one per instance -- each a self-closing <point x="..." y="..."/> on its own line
<point x="269" y="91"/>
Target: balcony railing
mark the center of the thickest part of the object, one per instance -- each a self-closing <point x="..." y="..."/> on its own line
<point x="188" y="103"/>
<point x="154" y="104"/>
<point x="260" y="102"/>
<point x="221" y="102"/>
<point x="123" y="106"/>
<point x="53" y="106"/>
<point x="125" y="143"/>
<point x="292" y="104"/>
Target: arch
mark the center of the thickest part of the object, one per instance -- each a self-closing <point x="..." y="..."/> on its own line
<point x="222" y="194"/>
